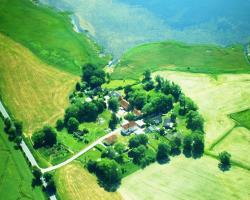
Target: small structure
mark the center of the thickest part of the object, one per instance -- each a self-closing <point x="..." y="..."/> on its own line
<point x="168" y="124"/>
<point x="139" y="131"/>
<point x="115" y="94"/>
<point x="156" y="120"/>
<point x="128" y="128"/>
<point x="110" y="140"/>
<point x="150" y="129"/>
<point x="140" y="123"/>
<point x="124" y="104"/>
<point x="137" y="113"/>
<point x="88" y="99"/>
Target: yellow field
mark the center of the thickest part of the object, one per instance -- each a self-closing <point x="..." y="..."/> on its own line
<point x="32" y="91"/>
<point x="216" y="98"/>
<point x="187" y="179"/>
<point x="75" y="183"/>
<point x="238" y="144"/>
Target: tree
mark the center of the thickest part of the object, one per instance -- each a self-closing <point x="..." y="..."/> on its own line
<point x="113" y="121"/>
<point x="187" y="145"/>
<point x="7" y="124"/>
<point x="37" y="176"/>
<point x="109" y="173"/>
<point x="93" y="75"/>
<point x="173" y="117"/>
<point x="71" y="111"/>
<point x="19" y="127"/>
<point x="225" y="161"/>
<point x="159" y="82"/>
<point x="100" y="104"/>
<point x="138" y="153"/>
<point x="138" y="99"/>
<point x="130" y="117"/>
<point x="195" y="121"/>
<point x="163" y="152"/>
<point x="138" y="140"/>
<point x="88" y="112"/>
<point x="113" y="104"/>
<point x="47" y="176"/>
<point x="72" y="125"/>
<point x="109" y="153"/>
<point x="78" y="86"/>
<point x="96" y="81"/>
<point x="119" y="147"/>
<point x="162" y="131"/>
<point x="166" y="87"/>
<point x="198" y="145"/>
<point x="175" y="146"/>
<point x="51" y="187"/>
<point x="146" y="75"/>
<point x="38" y="139"/>
<point x="59" y="124"/>
<point x="176" y="91"/>
<point x="49" y="136"/>
<point x="149" y="85"/>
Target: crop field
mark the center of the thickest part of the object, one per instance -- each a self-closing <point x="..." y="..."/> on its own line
<point x="185" y="178"/>
<point x="243" y="118"/>
<point x="216" y="97"/>
<point x="237" y="143"/>
<point x="75" y="183"/>
<point x="31" y="90"/>
<point x="48" y="34"/>
<point x="181" y="57"/>
<point x="15" y="175"/>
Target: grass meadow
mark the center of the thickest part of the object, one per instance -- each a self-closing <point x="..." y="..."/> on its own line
<point x="76" y="183"/>
<point x="181" y="57"/>
<point x="15" y="174"/>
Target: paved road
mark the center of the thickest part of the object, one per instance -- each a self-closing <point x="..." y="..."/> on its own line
<point x="3" y="111"/>
<point x="81" y="152"/>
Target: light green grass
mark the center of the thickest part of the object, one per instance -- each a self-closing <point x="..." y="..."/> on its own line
<point x="48" y="34"/>
<point x="243" y="118"/>
<point x="114" y="84"/>
<point x="15" y="174"/>
<point x="181" y="57"/>
<point x="187" y="179"/>
<point x="237" y="143"/>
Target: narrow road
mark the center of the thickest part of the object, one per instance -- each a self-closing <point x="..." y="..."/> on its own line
<point x="81" y="152"/>
<point x="3" y="111"/>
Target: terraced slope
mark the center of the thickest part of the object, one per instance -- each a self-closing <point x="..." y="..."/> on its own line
<point x="33" y="92"/>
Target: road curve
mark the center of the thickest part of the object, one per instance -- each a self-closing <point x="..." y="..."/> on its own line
<point x="44" y="170"/>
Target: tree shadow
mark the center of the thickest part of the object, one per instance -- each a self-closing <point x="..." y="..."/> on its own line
<point x="163" y="161"/>
<point x="187" y="153"/>
<point x="224" y="167"/>
<point x="109" y="187"/>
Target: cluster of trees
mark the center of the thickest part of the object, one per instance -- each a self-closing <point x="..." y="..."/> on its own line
<point x="113" y="121"/>
<point x="14" y="130"/>
<point x="108" y="172"/>
<point x="93" y="76"/>
<point x="115" y="153"/>
<point x="113" y="104"/>
<point x="48" y="178"/>
<point x="195" y="121"/>
<point x="138" y="148"/>
<point x="193" y="144"/>
<point x="46" y="137"/>
<point x="225" y="161"/>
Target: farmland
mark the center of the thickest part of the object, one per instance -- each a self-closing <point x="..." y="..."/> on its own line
<point x="15" y="173"/>
<point x="33" y="91"/>
<point x="74" y="182"/>
<point x="186" y="178"/>
<point x="243" y="118"/>
<point x="181" y="57"/>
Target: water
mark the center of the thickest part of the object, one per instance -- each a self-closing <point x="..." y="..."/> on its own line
<point x="121" y="24"/>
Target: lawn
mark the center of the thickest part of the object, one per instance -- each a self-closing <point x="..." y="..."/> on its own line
<point x="243" y="118"/>
<point x="237" y="143"/>
<point x="32" y="91"/>
<point x="75" y="183"/>
<point x="48" y="34"/>
<point x="15" y="174"/>
<point x="114" y="84"/>
<point x="216" y="97"/>
<point x="181" y="57"/>
<point x="184" y="178"/>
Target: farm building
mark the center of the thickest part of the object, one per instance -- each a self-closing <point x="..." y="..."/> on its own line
<point x="128" y="128"/>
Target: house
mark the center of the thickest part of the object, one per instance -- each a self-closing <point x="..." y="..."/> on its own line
<point x="110" y="140"/>
<point x="139" y="131"/>
<point x="115" y="94"/>
<point x="168" y="124"/>
<point x="137" y="113"/>
<point x="124" y="104"/>
<point x="140" y="123"/>
<point x="150" y="129"/>
<point x="128" y="128"/>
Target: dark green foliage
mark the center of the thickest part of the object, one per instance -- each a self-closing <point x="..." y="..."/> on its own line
<point x="173" y="117"/>
<point x="113" y="121"/>
<point x="100" y="104"/>
<point x="119" y="147"/>
<point x="137" y="140"/>
<point x="88" y="112"/>
<point x="19" y="127"/>
<point x="195" y="121"/>
<point x="137" y="153"/>
<point x="176" y="91"/>
<point x="14" y="130"/>
<point x="162" y="131"/>
<point x="71" y="111"/>
<point x="37" y="176"/>
<point x="187" y="145"/>
<point x="175" y="146"/>
<point x="127" y="90"/>
<point x="146" y="76"/>
<point x="130" y="117"/>
<point x="78" y="86"/>
<point x="186" y="105"/>
<point x="113" y="104"/>
<point x="51" y="187"/>
<point x="72" y="125"/>
<point x="198" y="145"/>
<point x="44" y="137"/>
<point x="225" y="161"/>
<point x="109" y="152"/>
<point x="59" y="124"/>
<point x="149" y="85"/>
<point x="137" y="99"/>
<point x="7" y="124"/>
<point x="47" y="176"/>
<point x="159" y="80"/>
<point x="163" y="152"/>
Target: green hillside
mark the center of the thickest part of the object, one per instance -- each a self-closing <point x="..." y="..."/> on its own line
<point x="48" y="34"/>
<point x="182" y="57"/>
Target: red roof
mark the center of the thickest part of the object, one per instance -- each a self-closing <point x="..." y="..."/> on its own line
<point x="128" y="125"/>
<point x="124" y="104"/>
<point x="137" y="112"/>
<point x="110" y="140"/>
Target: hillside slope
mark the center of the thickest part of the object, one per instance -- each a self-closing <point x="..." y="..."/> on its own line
<point x="32" y="91"/>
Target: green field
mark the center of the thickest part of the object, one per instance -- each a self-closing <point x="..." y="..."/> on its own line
<point x="15" y="174"/>
<point x="76" y="183"/>
<point x="181" y="57"/>
<point x="243" y="118"/>
<point x="32" y="91"/>
<point x="184" y="178"/>
<point x="48" y="34"/>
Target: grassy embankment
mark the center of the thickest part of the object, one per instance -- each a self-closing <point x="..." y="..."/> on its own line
<point x="15" y="174"/>
<point x="48" y="34"/>
<point x="75" y="182"/>
<point x="181" y="57"/>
